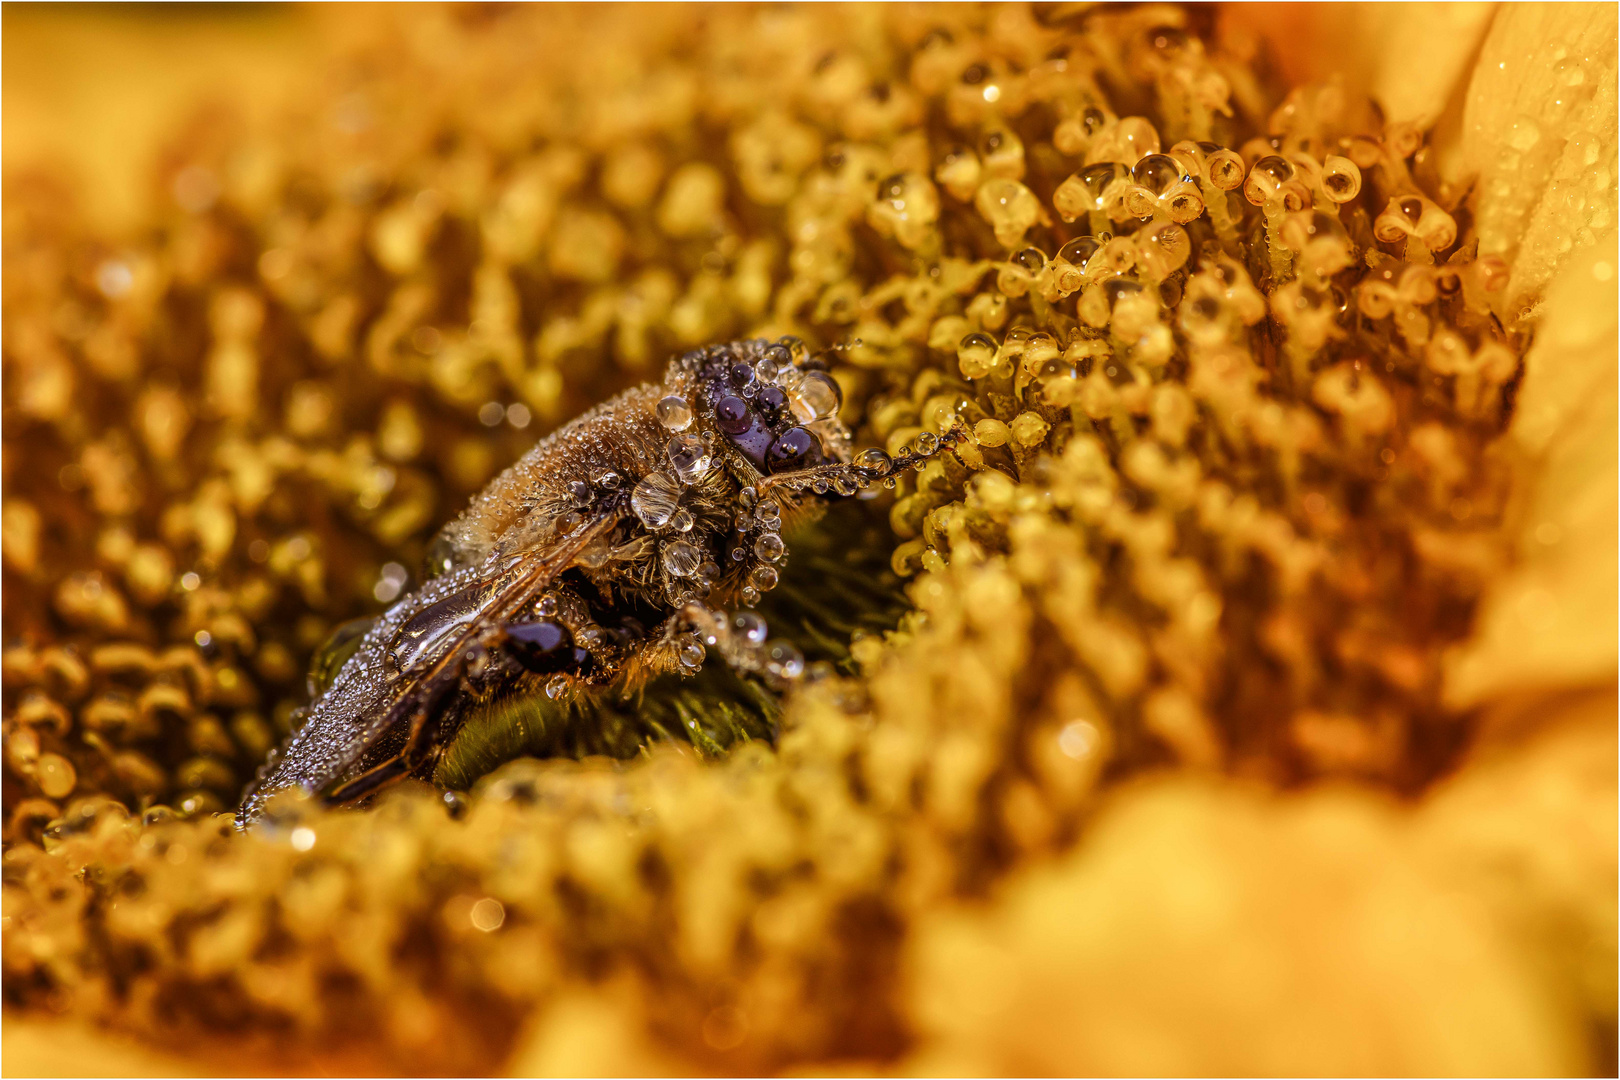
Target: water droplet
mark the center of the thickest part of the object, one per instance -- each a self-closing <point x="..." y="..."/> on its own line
<point x="708" y="571"/>
<point x="1267" y="178"/>
<point x="1114" y="288"/>
<point x="763" y="578"/>
<point x="1078" y="252"/>
<point x="690" y="457"/>
<point x="816" y="397"/>
<point x="790" y="449"/>
<point x="1224" y="168"/>
<point x="1030" y="260"/>
<point x="682" y="521"/>
<point x="1009" y="207"/>
<point x="731" y="415"/>
<point x="788" y="378"/>
<point x="579" y="492"/>
<point x="768" y="512"/>
<point x="771" y="401"/>
<point x="750" y="595"/>
<point x="751" y="626"/>
<point x="1087" y="190"/>
<point x="607" y="481"/>
<point x="1157" y="172"/>
<point x="1137" y="137"/>
<point x="976" y="355"/>
<point x="655" y="499"/>
<point x="691" y="655"/>
<point x="784" y="661"/>
<point x="1341" y="179"/>
<point x="681" y="559"/>
<point x="925" y="443"/>
<point x="556" y="686"/>
<point x="674" y="413"/>
<point x="769" y="547"/>
<point x="547" y="606"/>
<point x="1163" y="250"/>
<point x="874" y="461"/>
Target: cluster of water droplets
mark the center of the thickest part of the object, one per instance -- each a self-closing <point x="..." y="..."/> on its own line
<point x="656" y="501"/>
<point x="743" y="638"/>
<point x="758" y="524"/>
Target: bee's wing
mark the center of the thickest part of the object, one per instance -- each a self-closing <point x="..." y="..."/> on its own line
<point x="426" y="635"/>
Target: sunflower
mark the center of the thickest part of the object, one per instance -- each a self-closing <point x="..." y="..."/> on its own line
<point x="1240" y="699"/>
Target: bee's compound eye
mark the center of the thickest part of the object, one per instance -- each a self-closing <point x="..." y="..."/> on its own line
<point x="772" y="399"/>
<point x="731" y="415"/>
<point x="546" y="647"/>
<point x="790" y="449"/>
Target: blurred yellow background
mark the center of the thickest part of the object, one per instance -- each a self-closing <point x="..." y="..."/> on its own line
<point x="98" y="87"/>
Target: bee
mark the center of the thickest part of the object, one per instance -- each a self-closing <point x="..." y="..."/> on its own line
<point x="627" y="544"/>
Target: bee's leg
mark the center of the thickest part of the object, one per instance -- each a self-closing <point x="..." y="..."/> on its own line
<point x="868" y="468"/>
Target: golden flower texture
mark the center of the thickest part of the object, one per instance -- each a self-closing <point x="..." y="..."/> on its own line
<point x="1251" y="704"/>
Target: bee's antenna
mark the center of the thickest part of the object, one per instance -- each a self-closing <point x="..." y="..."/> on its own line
<point x="869" y="467"/>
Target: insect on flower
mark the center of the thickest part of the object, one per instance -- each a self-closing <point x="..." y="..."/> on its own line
<point x="624" y="545"/>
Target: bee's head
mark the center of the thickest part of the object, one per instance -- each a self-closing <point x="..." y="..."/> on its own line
<point x="776" y="407"/>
